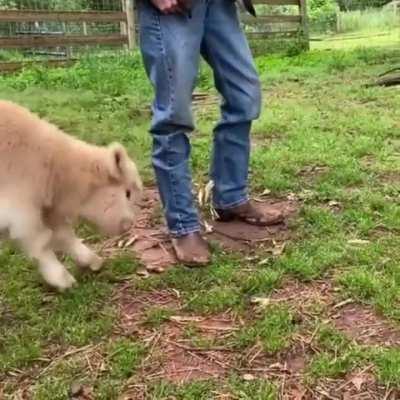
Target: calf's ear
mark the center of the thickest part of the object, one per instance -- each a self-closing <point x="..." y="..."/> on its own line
<point x="122" y="168"/>
<point x="117" y="161"/>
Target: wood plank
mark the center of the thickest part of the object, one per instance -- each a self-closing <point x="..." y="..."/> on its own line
<point x="271" y="19"/>
<point x="51" y="41"/>
<point x="131" y="23"/>
<point x="64" y="16"/>
<point x="14" y="66"/>
<point x="268" y="35"/>
<point x="278" y="2"/>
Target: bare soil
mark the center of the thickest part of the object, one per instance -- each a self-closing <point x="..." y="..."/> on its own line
<point x="150" y="243"/>
<point x="365" y="326"/>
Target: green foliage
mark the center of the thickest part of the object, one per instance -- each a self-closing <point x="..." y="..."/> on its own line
<point x="258" y="389"/>
<point x="322" y="15"/>
<point x="322" y="137"/>
<point x="348" y="5"/>
<point x="370" y="19"/>
<point x="124" y="357"/>
<point x="273" y="331"/>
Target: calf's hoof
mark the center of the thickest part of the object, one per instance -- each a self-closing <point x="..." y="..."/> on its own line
<point x="66" y="282"/>
<point x="96" y="264"/>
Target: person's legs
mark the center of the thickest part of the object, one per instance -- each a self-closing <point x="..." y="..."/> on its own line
<point x="170" y="46"/>
<point x="226" y="50"/>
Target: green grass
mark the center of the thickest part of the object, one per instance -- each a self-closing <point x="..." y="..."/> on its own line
<point x="376" y="38"/>
<point x="273" y="331"/>
<point x="370" y="19"/>
<point x="317" y="113"/>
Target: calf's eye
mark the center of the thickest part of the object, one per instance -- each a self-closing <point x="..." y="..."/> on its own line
<point x="128" y="194"/>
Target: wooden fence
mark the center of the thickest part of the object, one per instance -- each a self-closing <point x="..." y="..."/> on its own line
<point x="260" y="28"/>
<point x="288" y="25"/>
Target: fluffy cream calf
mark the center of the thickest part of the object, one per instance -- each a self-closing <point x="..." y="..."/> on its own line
<point x="48" y="180"/>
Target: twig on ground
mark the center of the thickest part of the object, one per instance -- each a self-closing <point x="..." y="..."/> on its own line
<point x="64" y="356"/>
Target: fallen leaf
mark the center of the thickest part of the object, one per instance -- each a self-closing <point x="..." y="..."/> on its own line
<point x="358" y="241"/>
<point x="103" y="367"/>
<point x="297" y="394"/>
<point x="201" y="197"/>
<point x="343" y="303"/>
<point x="261" y="301"/>
<point x="208" y="227"/>
<point x="266" y="192"/>
<point x="76" y="389"/>
<point x="81" y="392"/>
<point x="208" y="190"/>
<point x="358" y="381"/>
<point x="277" y="366"/>
<point x="130" y="241"/>
<point x="155" y="268"/>
<point x="278" y="249"/>
<point x="214" y="214"/>
<point x="265" y="260"/>
<point x="120" y="244"/>
<point x="249" y="377"/>
<point x="306" y="194"/>
<point x="180" y="319"/>
<point x="143" y="272"/>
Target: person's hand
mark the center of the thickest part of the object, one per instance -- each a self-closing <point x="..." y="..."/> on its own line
<point x="171" y="6"/>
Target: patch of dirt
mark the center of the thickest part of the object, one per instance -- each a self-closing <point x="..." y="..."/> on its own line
<point x="290" y="363"/>
<point x="217" y="326"/>
<point x="296" y="361"/>
<point x="258" y="141"/>
<point x="303" y="296"/>
<point x="368" y="161"/>
<point x="133" y="305"/>
<point x="176" y="358"/>
<point x="152" y="245"/>
<point x="179" y="362"/>
<point x="359" y="385"/>
<point x="150" y="242"/>
<point x="311" y="172"/>
<point x="363" y="325"/>
<point x="390" y="178"/>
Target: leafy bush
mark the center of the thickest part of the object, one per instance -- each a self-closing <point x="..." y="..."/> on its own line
<point x="372" y="19"/>
<point x="322" y="14"/>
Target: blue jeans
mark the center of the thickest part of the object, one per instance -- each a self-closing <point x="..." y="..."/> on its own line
<point x="171" y="47"/>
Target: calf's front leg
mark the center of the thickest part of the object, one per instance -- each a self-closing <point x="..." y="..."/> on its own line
<point x="35" y="238"/>
<point x="65" y="240"/>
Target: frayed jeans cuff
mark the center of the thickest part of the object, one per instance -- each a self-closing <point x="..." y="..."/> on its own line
<point x="231" y="205"/>
<point x="185" y="231"/>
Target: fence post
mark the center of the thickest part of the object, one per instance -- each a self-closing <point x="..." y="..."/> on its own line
<point x="122" y="25"/>
<point x="338" y="21"/>
<point x="304" y="23"/>
<point x="130" y="19"/>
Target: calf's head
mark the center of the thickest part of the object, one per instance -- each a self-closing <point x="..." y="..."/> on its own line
<point x="112" y="206"/>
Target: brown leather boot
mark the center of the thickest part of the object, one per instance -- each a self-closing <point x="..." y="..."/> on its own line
<point x="192" y="250"/>
<point x="249" y="214"/>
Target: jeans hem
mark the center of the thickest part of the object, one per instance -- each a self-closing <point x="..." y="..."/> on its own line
<point x="236" y="203"/>
<point x="184" y="231"/>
